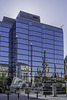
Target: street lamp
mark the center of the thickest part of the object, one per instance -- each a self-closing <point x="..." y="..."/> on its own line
<point x="31" y="63"/>
<point x="16" y="56"/>
<point x="54" y="69"/>
<point x="44" y="59"/>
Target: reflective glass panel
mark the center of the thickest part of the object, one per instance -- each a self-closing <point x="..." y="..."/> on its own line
<point x="21" y="25"/>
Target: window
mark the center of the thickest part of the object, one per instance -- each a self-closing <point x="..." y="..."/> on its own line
<point x="35" y="28"/>
<point x="58" y="34"/>
<point x="33" y="38"/>
<point x="22" y="41"/>
<point x="4" y="29"/>
<point x="33" y="33"/>
<point x="21" y="25"/>
<point x="22" y="30"/>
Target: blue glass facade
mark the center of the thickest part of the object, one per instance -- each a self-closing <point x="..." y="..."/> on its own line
<point x="43" y="37"/>
<point x="4" y="42"/>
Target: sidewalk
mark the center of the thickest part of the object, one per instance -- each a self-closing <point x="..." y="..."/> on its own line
<point x="32" y="97"/>
<point x="49" y="97"/>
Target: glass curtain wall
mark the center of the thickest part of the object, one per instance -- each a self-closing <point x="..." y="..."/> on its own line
<point x="4" y="43"/>
<point x="36" y="46"/>
<point x="22" y="45"/>
<point x="43" y="37"/>
<point x="53" y="44"/>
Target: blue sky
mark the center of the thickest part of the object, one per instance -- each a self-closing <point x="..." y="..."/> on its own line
<point x="52" y="12"/>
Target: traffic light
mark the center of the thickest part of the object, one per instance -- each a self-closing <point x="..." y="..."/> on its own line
<point x="9" y="81"/>
<point x="65" y="76"/>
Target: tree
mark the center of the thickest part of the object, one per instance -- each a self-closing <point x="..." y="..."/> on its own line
<point x="2" y="79"/>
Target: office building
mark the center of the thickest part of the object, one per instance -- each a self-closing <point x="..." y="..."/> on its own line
<point x="31" y="42"/>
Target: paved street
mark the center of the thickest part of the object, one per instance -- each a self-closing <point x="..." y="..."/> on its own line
<point x="32" y="97"/>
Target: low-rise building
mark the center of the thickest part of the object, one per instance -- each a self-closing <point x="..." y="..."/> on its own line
<point x="23" y="71"/>
<point x="3" y="69"/>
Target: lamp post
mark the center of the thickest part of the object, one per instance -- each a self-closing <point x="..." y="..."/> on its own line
<point x="17" y="74"/>
<point x="31" y="63"/>
<point x="55" y="70"/>
<point x="44" y="59"/>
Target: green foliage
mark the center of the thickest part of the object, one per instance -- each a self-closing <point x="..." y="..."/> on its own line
<point x="2" y="79"/>
<point x="38" y="79"/>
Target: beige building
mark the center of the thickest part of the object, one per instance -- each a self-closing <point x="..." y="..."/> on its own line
<point x="4" y="69"/>
<point x="22" y="71"/>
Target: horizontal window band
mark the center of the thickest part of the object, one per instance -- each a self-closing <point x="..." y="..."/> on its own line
<point x="3" y="36"/>
<point x="4" y="46"/>
<point x="29" y="55"/>
<point x="41" y="26"/>
<point x="4" y="31"/>
<point x="5" y="27"/>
